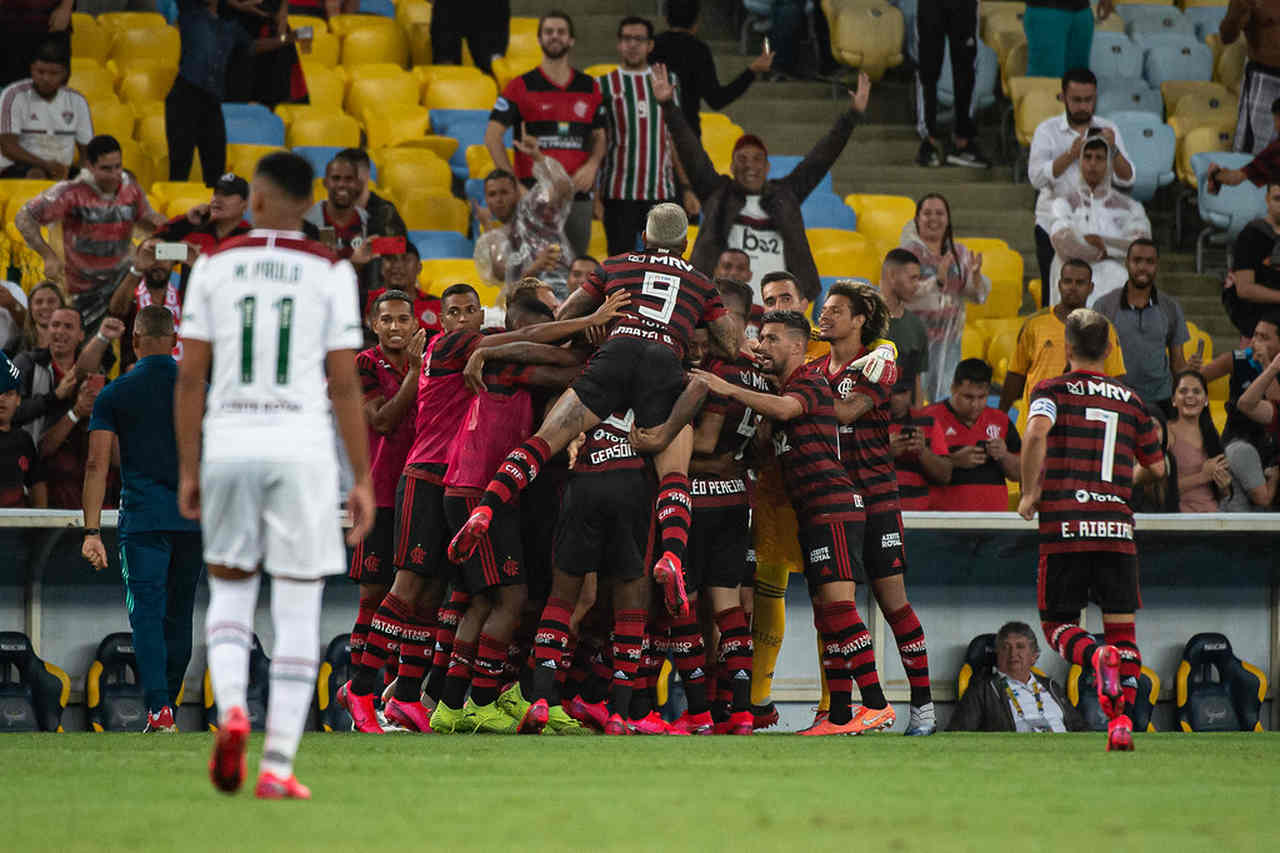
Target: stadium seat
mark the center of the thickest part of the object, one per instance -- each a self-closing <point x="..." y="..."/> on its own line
<point x="1082" y="693"/>
<point x="113" y="691"/>
<point x="179" y="204"/>
<point x="391" y="124"/>
<point x="999" y="351"/>
<point x="92" y="80"/>
<point x="1205" y="19"/>
<point x="88" y="39"/>
<point x="1226" y="213"/>
<point x="326" y="48"/>
<point x="1174" y="91"/>
<point x="823" y="209"/>
<point x="600" y="69"/>
<point x="385" y="8"/>
<point x="243" y="159"/>
<point x="1151" y="145"/>
<point x="428" y="210"/>
<point x="1005" y="269"/>
<point x="509" y="67"/>
<point x="1032" y="109"/>
<point x="1146" y="23"/>
<point x="318" y="156"/>
<point x="844" y="254"/>
<point x="1210" y="138"/>
<point x="461" y="94"/>
<point x="881" y="217"/>
<point x="33" y="692"/>
<point x="1115" y="55"/>
<point x="979" y="659"/>
<point x="982" y="244"/>
<point x="1198" y="335"/>
<point x="598" y="246"/>
<point x="1178" y="59"/>
<point x="984" y="91"/>
<point x="403" y="170"/>
<point x="160" y="44"/>
<point x="450" y="122"/>
<point x="335" y="671"/>
<point x="868" y="38"/>
<point x="343" y="25"/>
<point x="112" y="117"/>
<point x="1217" y="691"/>
<point x="439" y="273"/>
<point x="781" y="165"/>
<point x="443" y="147"/>
<point x="375" y="44"/>
<point x="167" y="191"/>
<point x="325" y="87"/>
<point x="442" y="244"/>
<point x="1205" y="109"/>
<point x="117" y="21"/>
<point x="973" y="341"/>
<point x="146" y="164"/>
<point x="252" y="124"/>
<point x="383" y="91"/>
<point x="146" y="83"/>
<point x="1228" y="67"/>
<point x="426" y="74"/>
<point x="1128" y="95"/>
<point x="256" y="694"/>
<point x="322" y="126"/>
<point x="473" y="190"/>
<point x="479" y="161"/>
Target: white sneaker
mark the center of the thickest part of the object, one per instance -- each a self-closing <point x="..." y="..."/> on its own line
<point x="922" y="721"/>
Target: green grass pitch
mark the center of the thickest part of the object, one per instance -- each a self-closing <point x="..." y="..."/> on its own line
<point x="888" y="793"/>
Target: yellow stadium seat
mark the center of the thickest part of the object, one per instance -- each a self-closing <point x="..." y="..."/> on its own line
<point x="326" y="87"/>
<point x="159" y="43"/>
<point x="1021" y="86"/>
<point x="146" y="83"/>
<point x="600" y="69"/>
<point x="425" y="210"/>
<point x="982" y="244"/>
<point x="1220" y="389"/>
<point x="371" y="71"/>
<point x="1207" y="106"/>
<point x="166" y="191"/>
<point x="1033" y="108"/>
<point x="391" y="124"/>
<point x="1002" y="30"/>
<point x="343" y="25"/>
<point x="88" y="39"/>
<point x="512" y="65"/>
<point x="524" y="36"/>
<point x="442" y="146"/>
<point x="93" y="81"/>
<point x="1218" y="411"/>
<point x="999" y="351"/>
<point x="479" y="161"/>
<point x="973" y="342"/>
<point x="850" y="258"/>
<point x="326" y="48"/>
<point x="1033" y="287"/>
<point x="1004" y="267"/>
<point x="692" y="238"/>
<point x="439" y="273"/>
<point x="375" y="44"/>
<point x="419" y="35"/>
<point x="428" y="73"/>
<point x="1213" y="138"/>
<point x="151" y="131"/>
<point x="146" y="164"/>
<point x="718" y="141"/>
<point x="716" y="119"/>
<point x="112" y="117"/>
<point x="318" y="190"/>
<point x="178" y="205"/>
<point x="410" y="12"/>
<point x="1113" y="24"/>
<point x="403" y="171"/>
<point x="881" y="217"/>
<point x="1197" y="335"/>
<point x="1014" y="65"/>
<point x="117" y="21"/>
<point x="243" y="159"/>
<point x="321" y="126"/>
<point x="15" y="192"/>
<point x="598" y="248"/>
<point x="1229" y="67"/>
<point x="383" y="92"/>
<point x="822" y="239"/>
<point x="460" y="94"/>
<point x="1174" y="91"/>
<point x="869" y="38"/>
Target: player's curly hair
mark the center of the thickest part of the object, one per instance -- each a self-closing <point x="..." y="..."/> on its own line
<point x="867" y="301"/>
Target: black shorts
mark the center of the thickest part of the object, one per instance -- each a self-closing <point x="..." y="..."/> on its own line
<point x="631" y="373"/>
<point x="883" y="552"/>
<point x="832" y="552"/>
<point x="606" y="525"/>
<point x="719" y="539"/>
<point x="1066" y="583"/>
<point x="499" y="558"/>
<point x="422" y="534"/>
<point x="373" y="560"/>
<point x="749" y="567"/>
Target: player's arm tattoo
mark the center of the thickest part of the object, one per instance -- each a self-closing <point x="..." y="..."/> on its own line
<point x="853" y="407"/>
<point x="724" y="337"/>
<point x="29" y="228"/>
<point x="579" y="304"/>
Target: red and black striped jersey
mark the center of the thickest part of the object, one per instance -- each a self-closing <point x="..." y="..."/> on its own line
<point x="562" y="118"/>
<point x="1100" y="430"/>
<point x="669" y="298"/>
<point x="736" y="432"/>
<point x="381" y="380"/>
<point x="864" y="444"/>
<point x="808" y="449"/>
<point x="442" y="396"/>
<point x="608" y="447"/>
<point x="913" y="488"/>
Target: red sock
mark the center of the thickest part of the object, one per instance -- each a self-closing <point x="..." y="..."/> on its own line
<point x="847" y="643"/>
<point x="516" y="472"/>
<point x="417" y="640"/>
<point x="628" y="650"/>
<point x="689" y="654"/>
<point x="913" y="651"/>
<point x="1075" y="644"/>
<point x="1123" y="635"/>
<point x="674" y="510"/>
<point x="383" y="641"/>
<point x="734" y="658"/>
<point x="360" y="631"/>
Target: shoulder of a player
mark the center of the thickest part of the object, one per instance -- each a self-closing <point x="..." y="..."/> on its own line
<point x="368" y="357"/>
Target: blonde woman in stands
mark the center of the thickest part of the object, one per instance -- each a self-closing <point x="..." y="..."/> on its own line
<point x="45" y="298"/>
<point x="950" y="276"/>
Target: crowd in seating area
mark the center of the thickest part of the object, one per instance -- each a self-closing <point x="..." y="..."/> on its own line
<point x="128" y="141"/>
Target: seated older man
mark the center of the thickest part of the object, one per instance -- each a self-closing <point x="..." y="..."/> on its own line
<point x="1012" y="698"/>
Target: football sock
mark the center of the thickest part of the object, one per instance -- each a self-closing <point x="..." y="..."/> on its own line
<point x="448" y="617"/>
<point x="596" y="685"/>
<point x="360" y="631"/>
<point x="486" y="673"/>
<point x="384" y="640"/>
<point x="550" y="647"/>
<point x="641" y="699"/>
<point x="416" y="639"/>
<point x="689" y="654"/>
<point x="1123" y="635"/>
<point x="628" y="644"/>
<point x="768" y="622"/>
<point x="824" y="700"/>
<point x="734" y="658"/>
<point x="1074" y="643"/>
<point x="228" y="633"/>
<point x="295" y="616"/>
<point x="458" y="677"/>
<point x="516" y="472"/>
<point x="674" y="510"/>
<point x="913" y="651"/>
<point x="846" y="637"/>
<point x="644" y="699"/>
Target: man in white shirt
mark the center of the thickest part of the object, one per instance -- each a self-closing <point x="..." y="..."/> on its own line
<point x="44" y="126"/>
<point x="1055" y="154"/>
<point x="1093" y="222"/>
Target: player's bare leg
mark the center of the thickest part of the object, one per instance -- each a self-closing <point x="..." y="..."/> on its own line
<point x="891" y="596"/>
<point x="848" y="657"/>
<point x="233" y="597"/>
<point x="563" y="423"/>
<point x="674" y="513"/>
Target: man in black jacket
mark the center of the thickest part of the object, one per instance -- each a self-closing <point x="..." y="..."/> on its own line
<point x="749" y="211"/>
<point x="1012" y="697"/>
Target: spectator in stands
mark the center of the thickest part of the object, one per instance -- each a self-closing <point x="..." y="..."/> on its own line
<point x="1259" y="22"/>
<point x="21" y="474"/>
<point x="148" y="282"/>
<point x="580" y="269"/>
<point x="782" y="293"/>
<point x="640" y="164"/>
<point x="342" y="224"/>
<point x="1150" y="326"/>
<point x="734" y="264"/>
<point x="45" y="298"/>
<point x="400" y="272"/>
<point x="1012" y="698"/>
<point x="193" y="107"/>
<point x="1203" y="476"/>
<point x="1041" y="352"/>
<point x="98" y="211"/>
<point x="1263" y="169"/>
<point x="207" y="226"/>
<point x="899" y="283"/>
<point x="749" y="211"/>
<point x="486" y="25"/>
<point x="384" y="218"/>
<point x="920" y="455"/>
<point x="501" y="195"/>
<point x="950" y="276"/>
<point x="936" y="25"/>
<point x="1054" y="161"/>
<point x="1095" y="223"/>
<point x="13" y="315"/>
<point x="160" y="551"/>
<point x="1060" y="34"/>
<point x="559" y="107"/>
<point x="44" y="126"/>
<point x="1259" y="403"/>
<point x="25" y="26"/>
<point x="1254" y="284"/>
<point x="982" y="444"/>
<point x="273" y="77"/>
<point x="1250" y="450"/>
<point x="688" y="58"/>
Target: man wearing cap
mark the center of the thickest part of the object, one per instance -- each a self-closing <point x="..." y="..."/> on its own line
<point x="749" y="211"/>
<point x="207" y="226"/>
<point x="21" y="475"/>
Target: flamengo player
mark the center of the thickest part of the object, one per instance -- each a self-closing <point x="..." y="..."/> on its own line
<point x="1090" y="438"/>
<point x="274" y="313"/>
<point x="637" y="368"/>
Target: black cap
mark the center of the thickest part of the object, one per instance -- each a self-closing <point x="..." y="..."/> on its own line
<point x="232" y="184"/>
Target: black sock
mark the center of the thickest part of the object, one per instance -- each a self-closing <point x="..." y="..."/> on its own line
<point x="841" y="710"/>
<point x="873" y="697"/>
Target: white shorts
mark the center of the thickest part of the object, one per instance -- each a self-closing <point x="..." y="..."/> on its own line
<point x="279" y="515"/>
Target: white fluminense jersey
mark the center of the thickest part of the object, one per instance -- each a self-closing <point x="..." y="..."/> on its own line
<point x="272" y="304"/>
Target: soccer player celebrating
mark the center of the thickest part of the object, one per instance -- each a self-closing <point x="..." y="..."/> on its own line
<point x="274" y="314"/>
<point x="853" y="317"/>
<point x="637" y="367"/>
<point x="830" y="512"/>
<point x="1089" y="439"/>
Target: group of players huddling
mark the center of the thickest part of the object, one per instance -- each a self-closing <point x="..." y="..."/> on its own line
<point x="554" y="518"/>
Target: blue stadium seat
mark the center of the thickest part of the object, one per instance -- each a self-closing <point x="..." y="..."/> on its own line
<point x="1115" y="55"/>
<point x="908" y="10"/>
<point x="780" y="165"/>
<point x="443" y="121"/>
<point x="1232" y="208"/>
<point x="826" y="210"/>
<point x="984" y="87"/>
<point x="1151" y="145"/>
<point x="1217" y="691"/>
<point x="1142" y="22"/>
<point x="475" y="190"/>
<point x="1117" y="94"/>
<point x="385" y="8"/>
<point x="1178" y="58"/>
<point x="320" y="155"/>
<point x="252" y="124"/>
<point x="980" y="656"/>
<point x="442" y="244"/>
<point x="1205" y="19"/>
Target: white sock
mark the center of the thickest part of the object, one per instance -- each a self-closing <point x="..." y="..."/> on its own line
<point x="295" y="613"/>
<point x="228" y="632"/>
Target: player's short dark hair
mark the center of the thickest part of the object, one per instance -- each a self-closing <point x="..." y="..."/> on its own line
<point x="1096" y="143"/>
<point x="1079" y="75"/>
<point x="154" y="321"/>
<point x="973" y="370"/>
<point x="289" y="172"/>
<point x="866" y="301"/>
<point x="587" y="258"/>
<point x="556" y="13"/>
<point x="1142" y="241"/>
<point x="459" y="289"/>
<point x="1079" y="264"/>
<point x="411" y="248"/>
<point x="53" y="51"/>
<point x="353" y="157"/>
<point x="793" y="320"/>
<point x="499" y="175"/>
<point x="1087" y="334"/>
<point x="527" y="301"/>
<point x="731" y="288"/>
<point x="780" y="275"/>
<point x="101" y="144"/>
<point x="391" y="296"/>
<point x="900" y="258"/>
<point x="1272" y="317"/>
<point x="682" y="13"/>
<point x="636" y="21"/>
<point x="66" y="306"/>
<point x="1021" y="629"/>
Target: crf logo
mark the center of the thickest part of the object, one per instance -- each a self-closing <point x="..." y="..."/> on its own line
<point x="845" y="386"/>
<point x="510" y="568"/>
<point x="372" y="562"/>
<point x="417" y="556"/>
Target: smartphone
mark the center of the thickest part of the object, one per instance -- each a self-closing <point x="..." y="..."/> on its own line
<point x="328" y="236"/>
<point x="767" y="47"/>
<point x="387" y="245"/>
<point x="304" y="33"/>
<point x="171" y="251"/>
<point x="1200" y="348"/>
